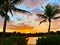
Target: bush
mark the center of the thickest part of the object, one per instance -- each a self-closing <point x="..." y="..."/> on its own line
<point x="16" y="40"/>
<point x="0" y="41"/>
<point x="49" y="40"/>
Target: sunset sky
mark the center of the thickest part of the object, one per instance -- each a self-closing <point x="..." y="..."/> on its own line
<point x="29" y="23"/>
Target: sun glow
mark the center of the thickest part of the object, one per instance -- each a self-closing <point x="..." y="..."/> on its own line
<point x="27" y="32"/>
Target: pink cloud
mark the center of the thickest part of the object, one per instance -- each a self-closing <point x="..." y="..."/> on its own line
<point x="33" y="3"/>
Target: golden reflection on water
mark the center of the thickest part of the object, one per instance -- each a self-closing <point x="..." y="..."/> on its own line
<point x="32" y="40"/>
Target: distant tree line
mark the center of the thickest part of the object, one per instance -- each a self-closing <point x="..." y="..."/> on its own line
<point x="29" y="34"/>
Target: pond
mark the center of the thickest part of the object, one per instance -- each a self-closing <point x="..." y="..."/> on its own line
<point x="32" y="40"/>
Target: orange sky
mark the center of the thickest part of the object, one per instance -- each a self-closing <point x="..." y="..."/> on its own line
<point x="29" y="23"/>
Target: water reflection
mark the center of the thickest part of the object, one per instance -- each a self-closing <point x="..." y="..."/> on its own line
<point x="32" y="40"/>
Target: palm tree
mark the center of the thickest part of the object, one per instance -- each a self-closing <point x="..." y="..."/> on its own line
<point x="50" y="12"/>
<point x="5" y="7"/>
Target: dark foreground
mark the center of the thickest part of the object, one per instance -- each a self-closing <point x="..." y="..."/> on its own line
<point x="20" y="39"/>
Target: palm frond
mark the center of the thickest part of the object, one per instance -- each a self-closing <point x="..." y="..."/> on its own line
<point x="42" y="7"/>
<point x="55" y="6"/>
<point x="2" y="2"/>
<point x="20" y="10"/>
<point x="42" y="21"/>
<point x="2" y="13"/>
<point x="11" y="12"/>
<point x="56" y="17"/>
<point x="16" y="1"/>
<point x="7" y="17"/>
<point x="56" y="11"/>
<point x="48" y="10"/>
<point x="41" y="15"/>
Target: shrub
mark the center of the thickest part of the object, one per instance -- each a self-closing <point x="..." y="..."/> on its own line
<point x="49" y="40"/>
<point x="15" y="40"/>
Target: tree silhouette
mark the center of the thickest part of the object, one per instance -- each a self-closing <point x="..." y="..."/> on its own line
<point x="5" y="7"/>
<point x="49" y="13"/>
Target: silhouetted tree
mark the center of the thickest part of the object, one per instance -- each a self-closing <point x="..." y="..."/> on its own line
<point x="58" y="32"/>
<point x="5" y="7"/>
<point x="49" y="13"/>
<point x="52" y="32"/>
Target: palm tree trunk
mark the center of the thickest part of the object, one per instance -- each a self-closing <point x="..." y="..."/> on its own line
<point x="4" y="29"/>
<point x="49" y="26"/>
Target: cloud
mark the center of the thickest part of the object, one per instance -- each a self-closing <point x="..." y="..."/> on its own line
<point x="25" y="21"/>
<point x="54" y="2"/>
<point x="33" y="3"/>
<point x="19" y="28"/>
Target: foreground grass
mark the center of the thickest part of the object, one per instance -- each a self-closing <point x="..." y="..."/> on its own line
<point x="49" y="40"/>
<point x="15" y="40"/>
